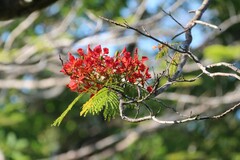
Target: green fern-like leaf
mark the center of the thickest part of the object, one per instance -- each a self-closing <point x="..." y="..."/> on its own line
<point x="111" y="107"/>
<point x="58" y="121"/>
<point x="105" y="100"/>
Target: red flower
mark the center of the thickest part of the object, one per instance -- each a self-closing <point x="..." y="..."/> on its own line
<point x="91" y="71"/>
<point x="149" y="88"/>
<point x="72" y="85"/>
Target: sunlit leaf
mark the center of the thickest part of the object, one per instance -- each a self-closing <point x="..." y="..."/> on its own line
<point x="174" y="63"/>
<point x="163" y="50"/>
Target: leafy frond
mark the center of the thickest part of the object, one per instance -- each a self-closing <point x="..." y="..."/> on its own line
<point x="105" y="100"/>
<point x="116" y="88"/>
<point x="58" y="121"/>
<point x="111" y="107"/>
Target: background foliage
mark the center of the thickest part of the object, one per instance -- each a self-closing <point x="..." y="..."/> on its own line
<point x="28" y="106"/>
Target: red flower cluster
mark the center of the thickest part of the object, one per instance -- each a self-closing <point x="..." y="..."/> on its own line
<point x="95" y="69"/>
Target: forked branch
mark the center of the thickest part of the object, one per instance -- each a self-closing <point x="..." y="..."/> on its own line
<point x="184" y="49"/>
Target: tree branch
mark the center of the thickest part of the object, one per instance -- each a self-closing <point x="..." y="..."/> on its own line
<point x="15" y="8"/>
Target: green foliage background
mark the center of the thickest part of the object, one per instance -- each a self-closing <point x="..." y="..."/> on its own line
<point x="25" y="118"/>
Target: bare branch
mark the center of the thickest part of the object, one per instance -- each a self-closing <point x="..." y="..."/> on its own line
<point x="221" y="74"/>
<point x="231" y="66"/>
<point x="198" y="14"/>
<point x="207" y="24"/>
<point x="192" y="118"/>
<point x="226" y="112"/>
<point x="204" y="68"/>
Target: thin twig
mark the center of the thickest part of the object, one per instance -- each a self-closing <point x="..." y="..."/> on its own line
<point x="170" y="15"/>
<point x="125" y="25"/>
<point x="226" y="112"/>
<point x="60" y="58"/>
<point x="178" y="34"/>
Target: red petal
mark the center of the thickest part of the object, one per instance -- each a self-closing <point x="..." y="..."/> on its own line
<point x="98" y="49"/>
<point x="89" y="51"/>
<point x="106" y="50"/>
<point x="72" y="85"/>
<point x="80" y="51"/>
<point x="71" y="57"/>
<point x="149" y="88"/>
<point x="144" y="58"/>
<point x="124" y="50"/>
<point x="136" y="51"/>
